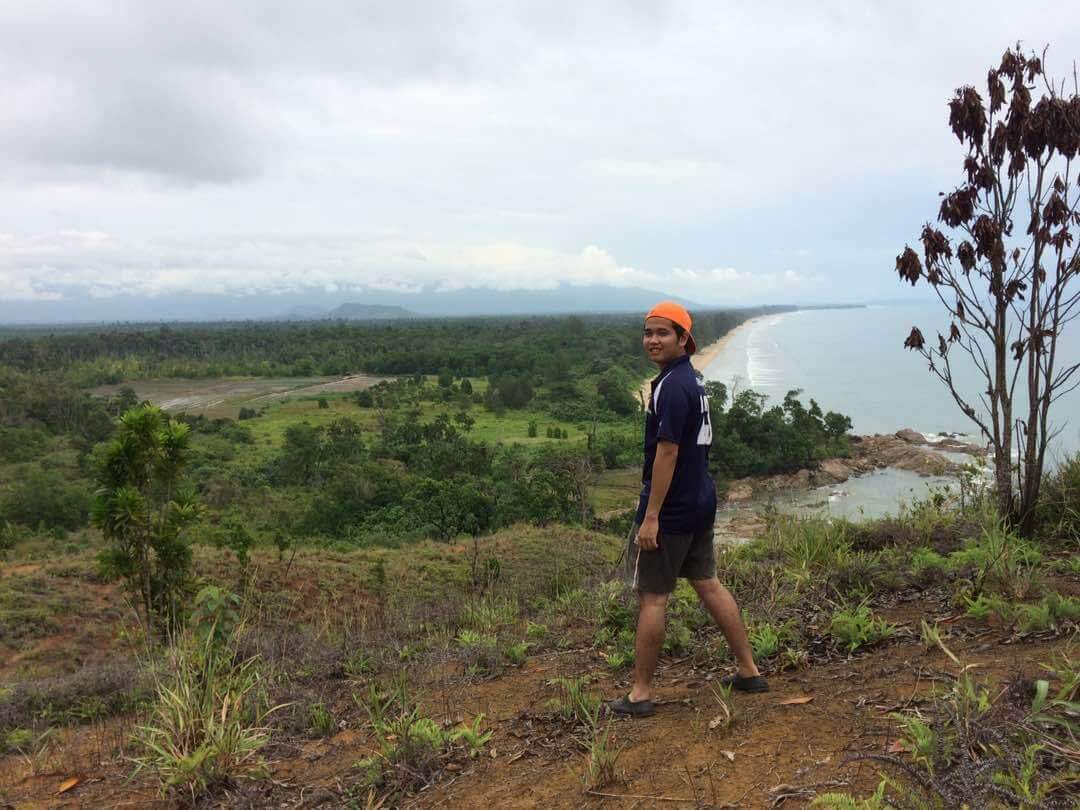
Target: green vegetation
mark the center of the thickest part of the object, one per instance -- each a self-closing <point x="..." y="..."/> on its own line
<point x="143" y="511"/>
<point x="360" y="560"/>
<point x="854" y="628"/>
<point x="206" y="725"/>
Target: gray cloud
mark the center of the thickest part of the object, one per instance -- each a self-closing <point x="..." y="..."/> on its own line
<point x="796" y="147"/>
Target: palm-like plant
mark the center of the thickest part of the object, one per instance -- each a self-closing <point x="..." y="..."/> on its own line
<point x="143" y="511"/>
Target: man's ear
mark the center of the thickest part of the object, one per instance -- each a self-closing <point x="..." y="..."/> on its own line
<point x="683" y="338"/>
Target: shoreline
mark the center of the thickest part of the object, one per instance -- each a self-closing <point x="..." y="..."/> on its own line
<point x="707" y="355"/>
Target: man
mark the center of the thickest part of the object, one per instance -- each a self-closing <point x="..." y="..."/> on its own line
<point x="673" y="529"/>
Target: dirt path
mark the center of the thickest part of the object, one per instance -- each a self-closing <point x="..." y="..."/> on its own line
<point x="776" y="747"/>
<point x="783" y="748"/>
<point x="224" y="397"/>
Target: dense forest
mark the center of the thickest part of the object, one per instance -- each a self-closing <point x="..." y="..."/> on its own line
<point x="388" y="464"/>
<point x="542" y="347"/>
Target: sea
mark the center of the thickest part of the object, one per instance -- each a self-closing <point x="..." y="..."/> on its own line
<point x="853" y="360"/>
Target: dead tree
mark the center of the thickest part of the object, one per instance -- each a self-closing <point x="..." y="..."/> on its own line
<point x="1007" y="269"/>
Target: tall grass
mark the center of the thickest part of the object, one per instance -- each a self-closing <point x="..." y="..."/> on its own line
<point x="206" y="726"/>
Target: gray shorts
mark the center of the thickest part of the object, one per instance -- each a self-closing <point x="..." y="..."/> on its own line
<point x="690" y="556"/>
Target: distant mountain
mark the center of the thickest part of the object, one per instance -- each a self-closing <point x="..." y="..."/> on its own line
<point x="316" y="305"/>
<point x="368" y="312"/>
<point x="562" y="299"/>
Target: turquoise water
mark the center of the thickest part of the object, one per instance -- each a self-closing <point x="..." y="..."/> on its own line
<point x="853" y="361"/>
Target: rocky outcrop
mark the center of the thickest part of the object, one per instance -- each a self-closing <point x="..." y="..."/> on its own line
<point x="910" y="436"/>
<point x="905" y="450"/>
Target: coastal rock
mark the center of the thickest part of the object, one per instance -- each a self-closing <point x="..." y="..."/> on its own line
<point x="834" y="471"/>
<point x="893" y="451"/>
<point x="739" y="492"/>
<point x="911" y="436"/>
<point x="869" y="453"/>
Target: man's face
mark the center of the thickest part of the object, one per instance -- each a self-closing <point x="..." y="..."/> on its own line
<point x="662" y="344"/>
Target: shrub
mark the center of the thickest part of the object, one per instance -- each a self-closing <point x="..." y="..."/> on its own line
<point x="472" y="736"/>
<point x="144" y="514"/>
<point x="411" y="746"/>
<point x="489" y="615"/>
<point x="764" y="640"/>
<point x="516" y="654"/>
<point x="21" y="444"/>
<point x="600" y="769"/>
<point x="925" y="563"/>
<point x="999" y="562"/>
<point x="574" y="701"/>
<point x="1059" y="502"/>
<point x="320" y="721"/>
<point x="45" y="498"/>
<point x="858" y="627"/>
<point x="205" y="727"/>
<point x="480" y="651"/>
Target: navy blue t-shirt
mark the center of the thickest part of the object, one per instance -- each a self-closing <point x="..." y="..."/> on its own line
<point x="679" y="412"/>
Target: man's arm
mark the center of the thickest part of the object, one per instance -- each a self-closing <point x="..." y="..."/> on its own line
<point x="663" y="469"/>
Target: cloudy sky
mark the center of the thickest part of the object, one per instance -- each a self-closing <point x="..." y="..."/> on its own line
<point x="728" y="152"/>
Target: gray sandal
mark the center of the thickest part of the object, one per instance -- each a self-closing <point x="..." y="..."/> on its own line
<point x="755" y="683"/>
<point x="631" y="708"/>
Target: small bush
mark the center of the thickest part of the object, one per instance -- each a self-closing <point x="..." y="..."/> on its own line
<point x="410" y="747"/>
<point x="600" y="768"/>
<point x="858" y="627"/>
<point x="205" y="728"/>
<point x="1032" y="618"/>
<point x="1000" y="562"/>
<point x="764" y="640"/>
<point x="574" y="701"/>
<point x="489" y="615"/>
<point x="1059" y="502"/>
<point x="320" y="721"/>
<point x="17" y="741"/>
<point x="480" y="652"/>
<point x="516" y="654"/>
<point x="926" y="563"/>
<point x="472" y="736"/>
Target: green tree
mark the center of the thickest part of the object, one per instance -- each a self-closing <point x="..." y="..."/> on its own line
<point x="301" y="459"/>
<point x="144" y="511"/>
<point x="454" y="506"/>
<point x="44" y="498"/>
<point x="614" y="386"/>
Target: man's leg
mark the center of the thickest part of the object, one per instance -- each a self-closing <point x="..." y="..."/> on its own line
<point x="650" y="637"/>
<point x="725" y="612"/>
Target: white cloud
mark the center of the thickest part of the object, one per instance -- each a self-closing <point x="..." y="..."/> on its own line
<point x="454" y="143"/>
<point x="98" y="265"/>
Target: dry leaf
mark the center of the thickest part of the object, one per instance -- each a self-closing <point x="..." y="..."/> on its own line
<point x="453" y="766"/>
<point x="897" y="747"/>
<point x="796" y="701"/>
<point x="494" y="753"/>
<point x="729" y="754"/>
<point x="716" y="722"/>
<point x="67" y="785"/>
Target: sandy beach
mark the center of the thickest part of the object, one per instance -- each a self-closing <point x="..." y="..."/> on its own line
<point x="705" y="355"/>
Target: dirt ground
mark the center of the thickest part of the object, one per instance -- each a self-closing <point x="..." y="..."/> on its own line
<point x="217" y="398"/>
<point x="783" y="748"/>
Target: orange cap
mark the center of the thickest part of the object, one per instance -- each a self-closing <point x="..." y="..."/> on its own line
<point x="676" y="313"/>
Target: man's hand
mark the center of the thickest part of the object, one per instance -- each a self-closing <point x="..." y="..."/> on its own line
<point x="648" y="536"/>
